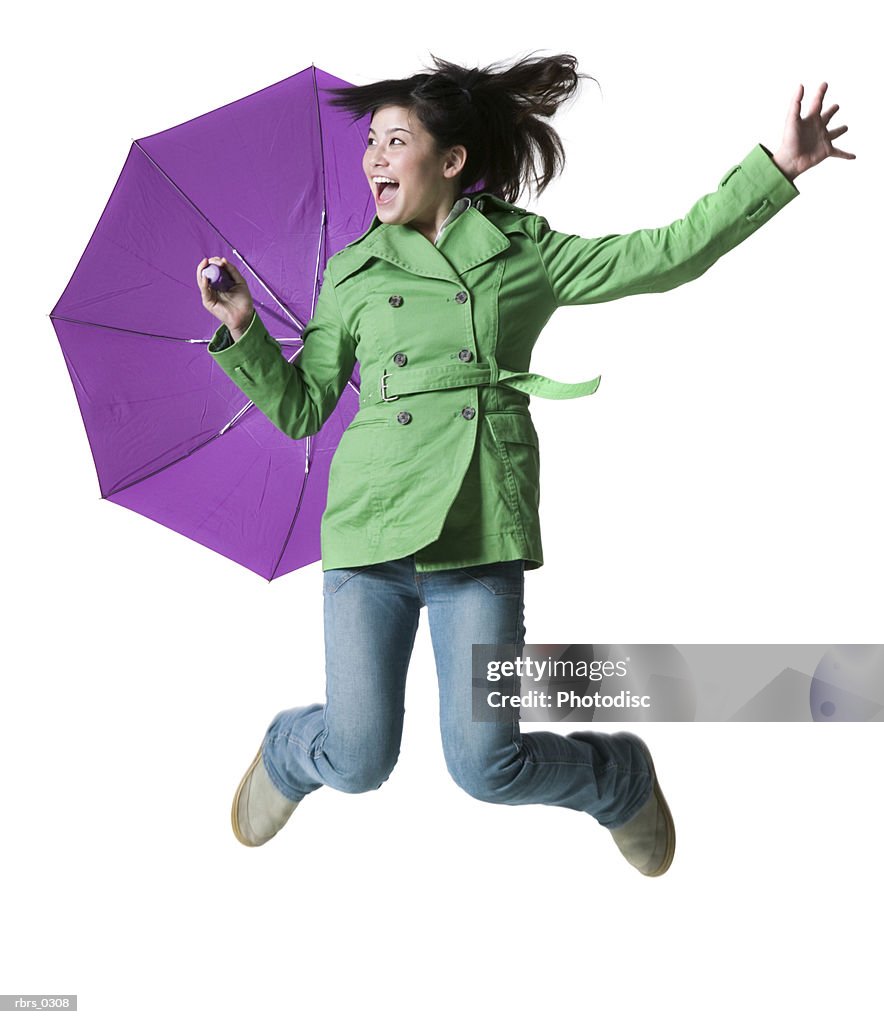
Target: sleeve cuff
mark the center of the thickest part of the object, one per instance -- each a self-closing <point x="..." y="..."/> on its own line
<point x="222" y="339"/>
<point x="770" y="181"/>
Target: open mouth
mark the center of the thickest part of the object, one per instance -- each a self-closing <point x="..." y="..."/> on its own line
<point x="385" y="189"/>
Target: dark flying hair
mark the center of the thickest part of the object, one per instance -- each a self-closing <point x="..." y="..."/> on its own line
<point x="495" y="112"/>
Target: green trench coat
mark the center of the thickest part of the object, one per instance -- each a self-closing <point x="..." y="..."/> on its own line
<point x="447" y="468"/>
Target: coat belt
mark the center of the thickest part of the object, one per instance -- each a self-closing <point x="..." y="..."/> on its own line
<point x="401" y="381"/>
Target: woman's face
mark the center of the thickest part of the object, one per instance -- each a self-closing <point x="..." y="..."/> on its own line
<point x="410" y="179"/>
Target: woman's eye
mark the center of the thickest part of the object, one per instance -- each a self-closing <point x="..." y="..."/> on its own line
<point x="373" y="142"/>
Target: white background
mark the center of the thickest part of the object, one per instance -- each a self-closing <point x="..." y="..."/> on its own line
<point x="722" y="486"/>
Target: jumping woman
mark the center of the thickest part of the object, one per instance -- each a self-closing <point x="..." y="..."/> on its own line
<point x="433" y="491"/>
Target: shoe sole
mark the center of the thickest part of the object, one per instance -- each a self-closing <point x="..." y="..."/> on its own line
<point x="233" y="819"/>
<point x="667" y="814"/>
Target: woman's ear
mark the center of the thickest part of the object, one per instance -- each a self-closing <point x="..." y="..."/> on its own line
<point x="455" y="161"/>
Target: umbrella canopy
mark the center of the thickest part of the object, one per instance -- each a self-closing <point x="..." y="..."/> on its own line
<point x="274" y="183"/>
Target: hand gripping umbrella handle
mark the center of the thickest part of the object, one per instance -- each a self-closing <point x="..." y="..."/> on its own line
<point x="218" y="278"/>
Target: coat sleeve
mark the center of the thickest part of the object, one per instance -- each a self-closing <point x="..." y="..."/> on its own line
<point x="298" y="396"/>
<point x="583" y="270"/>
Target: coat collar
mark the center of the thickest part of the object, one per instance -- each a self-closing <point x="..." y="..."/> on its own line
<point x="468" y="241"/>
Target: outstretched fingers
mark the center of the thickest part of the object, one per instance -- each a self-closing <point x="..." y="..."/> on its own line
<point x="830" y="113"/>
<point x="817" y="105"/>
<point x="834" y="134"/>
<point x="795" y="106"/>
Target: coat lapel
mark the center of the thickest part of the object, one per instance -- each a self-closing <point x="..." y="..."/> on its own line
<point x="407" y="248"/>
<point x="469" y="240"/>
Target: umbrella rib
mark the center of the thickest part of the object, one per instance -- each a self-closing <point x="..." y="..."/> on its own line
<point x="294" y="319"/>
<point x="152" y="334"/>
<point x="124" y="330"/>
<point x="323" y="227"/>
<point x="316" y="267"/>
<point x="168" y="465"/>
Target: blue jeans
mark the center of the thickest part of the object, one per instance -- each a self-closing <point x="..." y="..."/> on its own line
<point x="351" y="742"/>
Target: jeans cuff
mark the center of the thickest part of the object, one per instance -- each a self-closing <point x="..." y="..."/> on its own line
<point x="634" y="806"/>
<point x="276" y="779"/>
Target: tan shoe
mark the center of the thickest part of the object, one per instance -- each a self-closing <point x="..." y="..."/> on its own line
<point x="259" y="809"/>
<point x="647" y="841"/>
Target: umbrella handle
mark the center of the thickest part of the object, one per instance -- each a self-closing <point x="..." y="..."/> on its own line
<point x="218" y="278"/>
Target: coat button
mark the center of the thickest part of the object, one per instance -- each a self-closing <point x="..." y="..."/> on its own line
<point x="404" y="417"/>
<point x="396" y="301"/>
<point x="400" y="359"/>
<point x="465" y="356"/>
<point x="460" y="297"/>
<point x="468" y="413"/>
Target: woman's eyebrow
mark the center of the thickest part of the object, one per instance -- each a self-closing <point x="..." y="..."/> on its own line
<point x="393" y="130"/>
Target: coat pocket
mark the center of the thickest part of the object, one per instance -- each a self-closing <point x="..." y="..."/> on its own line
<point x="355" y="504"/>
<point x="515" y="440"/>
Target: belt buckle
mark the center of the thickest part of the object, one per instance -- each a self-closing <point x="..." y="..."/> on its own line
<point x="384" y="396"/>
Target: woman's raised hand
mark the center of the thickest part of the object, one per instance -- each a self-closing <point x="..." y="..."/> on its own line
<point x="807" y="141"/>
<point x="233" y="307"/>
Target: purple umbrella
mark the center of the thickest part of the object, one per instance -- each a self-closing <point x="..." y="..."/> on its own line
<point x="274" y="183"/>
